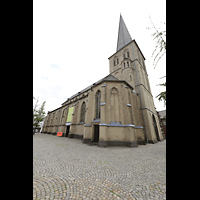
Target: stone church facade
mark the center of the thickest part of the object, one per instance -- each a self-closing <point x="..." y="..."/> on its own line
<point x="116" y="110"/>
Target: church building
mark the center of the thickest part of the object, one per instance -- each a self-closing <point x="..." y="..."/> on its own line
<point x="117" y="110"/>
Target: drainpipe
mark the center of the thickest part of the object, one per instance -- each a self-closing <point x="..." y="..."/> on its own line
<point x="140" y="96"/>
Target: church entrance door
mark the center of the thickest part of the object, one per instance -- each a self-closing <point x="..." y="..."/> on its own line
<point x="96" y="133"/>
<point x="156" y="128"/>
<point x="67" y="131"/>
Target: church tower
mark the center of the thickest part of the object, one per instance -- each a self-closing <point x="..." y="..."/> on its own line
<point x="128" y="63"/>
<point x="117" y="110"/>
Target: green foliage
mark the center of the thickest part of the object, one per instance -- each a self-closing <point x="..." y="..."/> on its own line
<point x="38" y="114"/>
<point x="162" y="95"/>
<point x="161" y="47"/>
<point x="160" y="44"/>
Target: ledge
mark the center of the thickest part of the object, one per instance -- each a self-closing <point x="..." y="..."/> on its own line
<point x="148" y="110"/>
<point x="87" y="125"/>
<point x="134" y="92"/>
<point x="124" y="86"/>
<point x="96" y="120"/>
<point x="145" y="88"/>
<point x="118" y="124"/>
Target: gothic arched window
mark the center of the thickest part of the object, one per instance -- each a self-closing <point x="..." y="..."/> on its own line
<point x="83" y="108"/>
<point x="98" y="103"/>
<point x="127" y="64"/>
<point x="116" y="61"/>
<point x="124" y="55"/>
<point x="127" y="54"/>
<point x="114" y="105"/>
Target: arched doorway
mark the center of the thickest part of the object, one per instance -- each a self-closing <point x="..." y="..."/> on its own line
<point x="96" y="134"/>
<point x="155" y="128"/>
<point x="67" y="131"/>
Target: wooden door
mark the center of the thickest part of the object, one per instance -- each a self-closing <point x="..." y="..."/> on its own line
<point x="67" y="131"/>
<point x="96" y="133"/>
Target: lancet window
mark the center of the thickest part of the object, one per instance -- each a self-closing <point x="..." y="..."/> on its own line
<point x="98" y="104"/>
<point x="83" y="108"/>
<point x="116" y="61"/>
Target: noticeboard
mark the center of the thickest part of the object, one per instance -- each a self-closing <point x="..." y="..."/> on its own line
<point x="69" y="116"/>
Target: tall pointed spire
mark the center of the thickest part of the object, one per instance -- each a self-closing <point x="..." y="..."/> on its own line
<point x="123" y="35"/>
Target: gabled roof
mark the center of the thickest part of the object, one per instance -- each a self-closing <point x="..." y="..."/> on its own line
<point x="123" y="35"/>
<point x="128" y="44"/>
<point x="107" y="78"/>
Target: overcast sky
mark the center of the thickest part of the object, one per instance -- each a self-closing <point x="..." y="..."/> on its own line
<point x="72" y="41"/>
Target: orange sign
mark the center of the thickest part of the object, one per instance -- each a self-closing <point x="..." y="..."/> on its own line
<point x="60" y="134"/>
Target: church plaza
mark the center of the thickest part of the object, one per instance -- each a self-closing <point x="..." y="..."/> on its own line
<point x="65" y="168"/>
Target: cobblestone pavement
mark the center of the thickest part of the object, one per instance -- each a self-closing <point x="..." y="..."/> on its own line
<point x="65" y="168"/>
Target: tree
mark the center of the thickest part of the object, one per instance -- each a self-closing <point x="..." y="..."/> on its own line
<point x="161" y="47"/>
<point x="162" y="95"/>
<point x="38" y="115"/>
<point x="160" y="43"/>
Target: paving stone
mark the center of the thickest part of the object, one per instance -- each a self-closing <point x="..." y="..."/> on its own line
<point x="66" y="168"/>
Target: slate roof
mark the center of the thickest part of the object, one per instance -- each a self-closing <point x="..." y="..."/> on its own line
<point x="124" y="36"/>
<point x="107" y="78"/>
